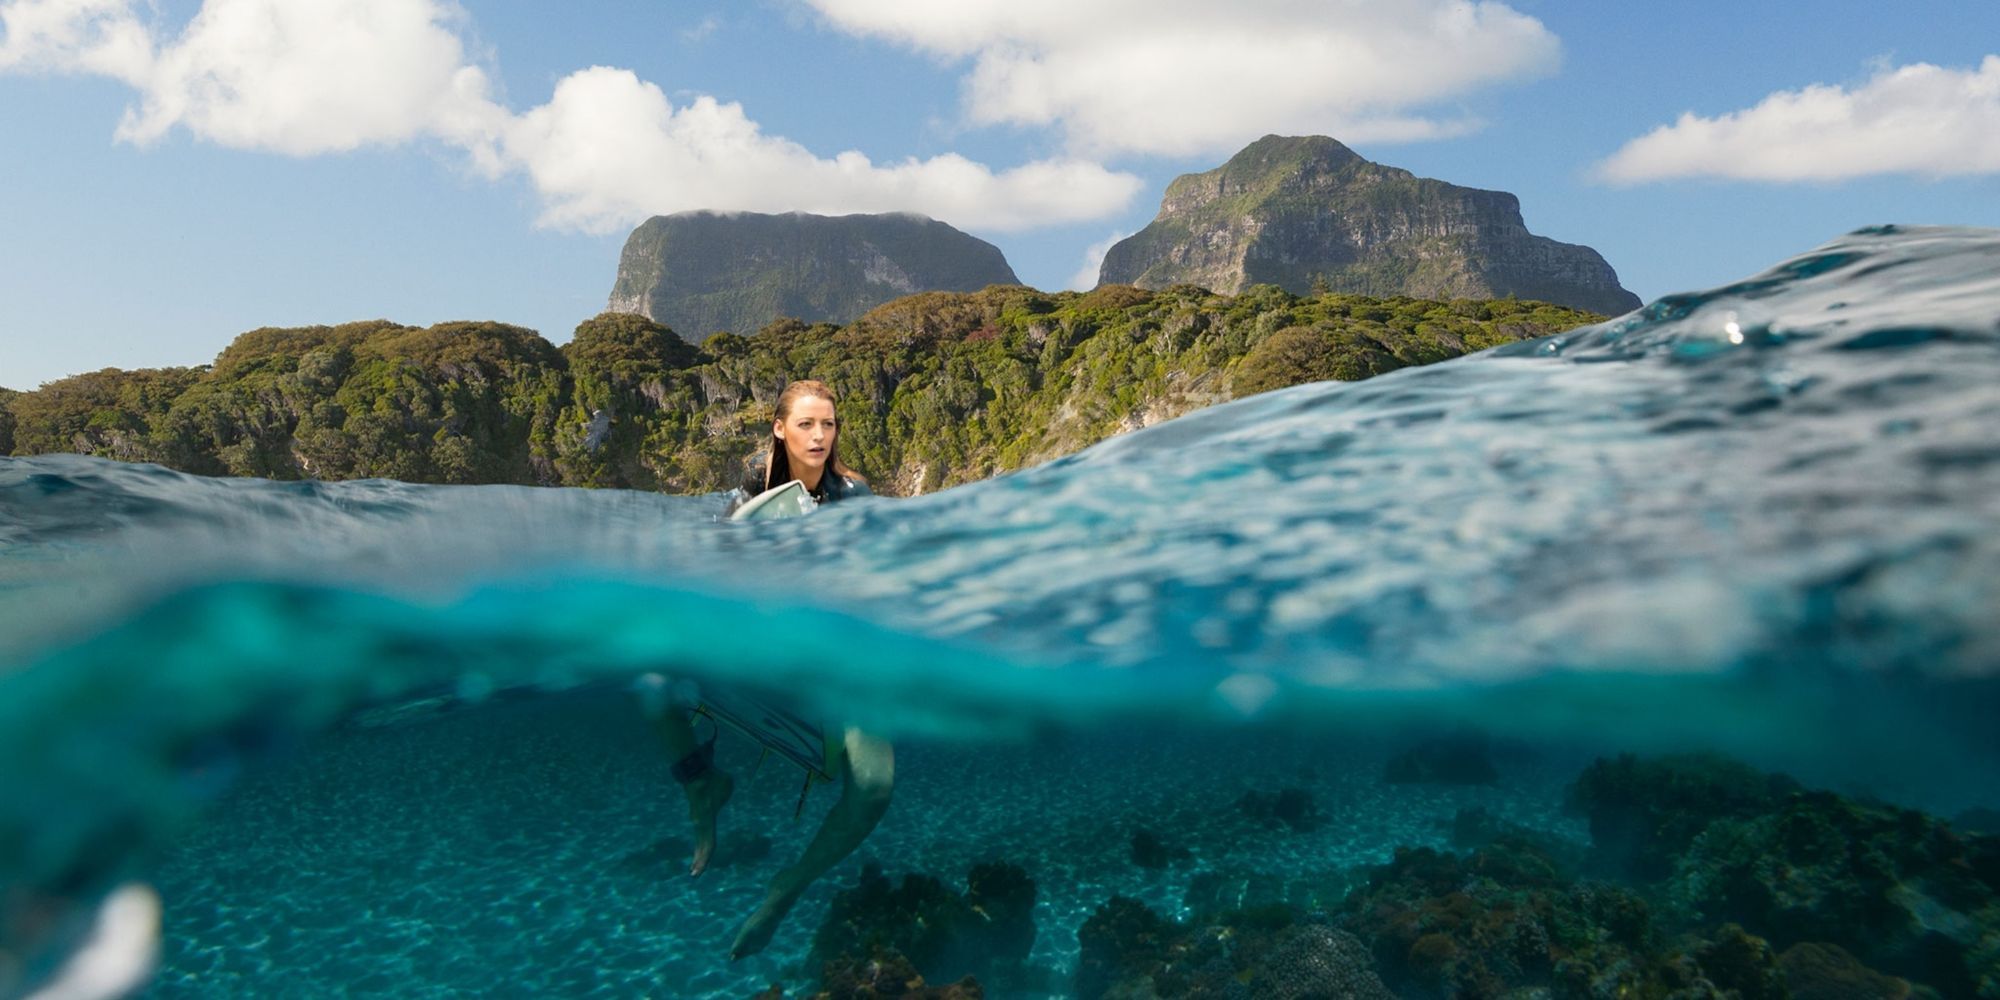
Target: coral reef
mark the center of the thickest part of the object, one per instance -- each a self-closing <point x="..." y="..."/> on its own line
<point x="1643" y="813"/>
<point x="1900" y="890"/>
<point x="1852" y="894"/>
<point x="1123" y="940"/>
<point x="1002" y="896"/>
<point x="987" y="932"/>
<point x="1742" y="964"/>
<point x="1505" y="921"/>
<point x="1734" y="884"/>
<point x="1258" y="954"/>
<point x="1501" y="918"/>
<point x="1316" y="961"/>
<point x="885" y="973"/>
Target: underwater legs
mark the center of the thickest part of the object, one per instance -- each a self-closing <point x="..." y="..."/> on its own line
<point x="708" y="787"/>
<point x="867" y="776"/>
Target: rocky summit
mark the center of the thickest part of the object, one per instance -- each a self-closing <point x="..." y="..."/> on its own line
<point x="1308" y="214"/>
<point x="700" y="272"/>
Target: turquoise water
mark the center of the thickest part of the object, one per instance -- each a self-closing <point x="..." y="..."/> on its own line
<point x="374" y="736"/>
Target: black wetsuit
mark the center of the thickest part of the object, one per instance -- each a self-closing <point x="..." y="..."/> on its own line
<point x="832" y="486"/>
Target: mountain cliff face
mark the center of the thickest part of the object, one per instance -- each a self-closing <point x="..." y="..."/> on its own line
<point x="1309" y="214"/>
<point x="699" y="272"/>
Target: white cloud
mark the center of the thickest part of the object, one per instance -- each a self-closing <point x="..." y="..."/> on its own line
<point x="101" y="37"/>
<point x="1086" y="275"/>
<point x="609" y="147"/>
<point x="315" y="76"/>
<point x="307" y="77"/>
<point x="1191" y="76"/>
<point x="1917" y="119"/>
<point x="291" y="76"/>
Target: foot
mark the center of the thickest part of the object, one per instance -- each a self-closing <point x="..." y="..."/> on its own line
<point x="756" y="932"/>
<point x="706" y="796"/>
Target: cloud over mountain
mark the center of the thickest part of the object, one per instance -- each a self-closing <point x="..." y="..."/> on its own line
<point x="1175" y="76"/>
<point x="610" y="147"/>
<point x="1918" y="119"/>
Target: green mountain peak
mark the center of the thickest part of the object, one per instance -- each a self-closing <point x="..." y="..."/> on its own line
<point x="1308" y="214"/>
<point x="703" y="272"/>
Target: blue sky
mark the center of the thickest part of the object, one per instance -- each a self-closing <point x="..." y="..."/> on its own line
<point x="174" y="173"/>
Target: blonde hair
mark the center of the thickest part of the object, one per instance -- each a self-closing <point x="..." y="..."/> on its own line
<point x="778" y="468"/>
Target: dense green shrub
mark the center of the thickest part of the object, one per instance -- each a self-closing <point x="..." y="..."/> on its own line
<point x="110" y="412"/>
<point x="7" y="421"/>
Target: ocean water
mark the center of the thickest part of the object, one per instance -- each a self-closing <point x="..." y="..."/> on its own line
<point x="384" y="738"/>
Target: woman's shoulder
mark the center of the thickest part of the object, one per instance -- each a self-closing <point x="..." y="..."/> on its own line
<point x="854" y="484"/>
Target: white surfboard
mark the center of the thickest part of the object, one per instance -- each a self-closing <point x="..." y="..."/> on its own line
<point x="787" y="500"/>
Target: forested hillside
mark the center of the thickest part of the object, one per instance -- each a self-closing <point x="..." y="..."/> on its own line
<point x="937" y="388"/>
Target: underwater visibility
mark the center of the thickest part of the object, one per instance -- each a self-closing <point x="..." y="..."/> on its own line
<point x="1654" y="659"/>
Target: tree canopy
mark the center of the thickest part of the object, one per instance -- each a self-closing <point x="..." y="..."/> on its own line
<point x="936" y="388"/>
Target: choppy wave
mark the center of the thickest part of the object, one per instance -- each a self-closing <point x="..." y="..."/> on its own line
<point x="1760" y="518"/>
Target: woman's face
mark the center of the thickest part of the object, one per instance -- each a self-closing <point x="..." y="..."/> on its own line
<point x="807" y="433"/>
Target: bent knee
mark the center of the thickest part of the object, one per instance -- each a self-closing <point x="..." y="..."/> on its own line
<point x="870" y="766"/>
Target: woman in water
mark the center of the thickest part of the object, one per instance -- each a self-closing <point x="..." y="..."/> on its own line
<point x="803" y="447"/>
<point x="803" y="440"/>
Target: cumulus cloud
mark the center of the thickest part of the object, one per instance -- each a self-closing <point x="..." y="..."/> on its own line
<point x="307" y="77"/>
<point x="610" y="146"/>
<point x="100" y="37"/>
<point x="1917" y="119"/>
<point x="1192" y="76"/>
<point x="314" y="76"/>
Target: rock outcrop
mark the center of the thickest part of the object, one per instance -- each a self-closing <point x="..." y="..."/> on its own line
<point x="700" y="272"/>
<point x="1308" y="214"/>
